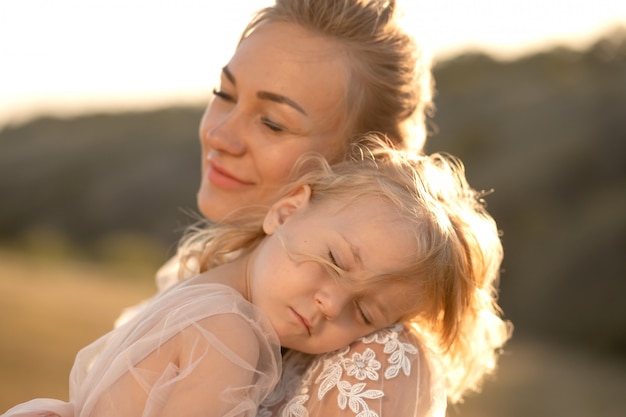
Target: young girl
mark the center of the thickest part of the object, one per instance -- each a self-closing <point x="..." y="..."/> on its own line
<point x="347" y="250"/>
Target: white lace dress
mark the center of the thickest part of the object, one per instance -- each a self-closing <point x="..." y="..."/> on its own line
<point x="197" y="349"/>
<point x="389" y="373"/>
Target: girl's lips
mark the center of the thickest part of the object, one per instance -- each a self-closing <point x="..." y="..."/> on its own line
<point x="223" y="179"/>
<point x="303" y="321"/>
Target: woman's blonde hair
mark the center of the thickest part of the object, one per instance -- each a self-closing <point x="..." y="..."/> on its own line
<point x="389" y="80"/>
<point x="456" y="266"/>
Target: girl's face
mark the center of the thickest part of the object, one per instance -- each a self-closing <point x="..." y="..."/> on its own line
<point x="281" y="95"/>
<point x="313" y="308"/>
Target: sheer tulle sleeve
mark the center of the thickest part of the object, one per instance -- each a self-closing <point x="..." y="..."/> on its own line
<point x="195" y="350"/>
<point x="389" y="373"/>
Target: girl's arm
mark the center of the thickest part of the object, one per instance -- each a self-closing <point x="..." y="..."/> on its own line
<point x="196" y="350"/>
<point x="210" y="368"/>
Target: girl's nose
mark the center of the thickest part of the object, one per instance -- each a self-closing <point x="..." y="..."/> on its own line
<point x="333" y="300"/>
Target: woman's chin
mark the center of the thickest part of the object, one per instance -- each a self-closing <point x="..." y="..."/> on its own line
<point x="208" y="205"/>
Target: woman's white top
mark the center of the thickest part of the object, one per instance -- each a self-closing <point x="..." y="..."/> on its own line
<point x="388" y="373"/>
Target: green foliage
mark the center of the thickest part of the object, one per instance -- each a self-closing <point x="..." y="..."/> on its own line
<point x="96" y="175"/>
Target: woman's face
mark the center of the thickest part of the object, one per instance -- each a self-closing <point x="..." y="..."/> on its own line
<point x="281" y="95"/>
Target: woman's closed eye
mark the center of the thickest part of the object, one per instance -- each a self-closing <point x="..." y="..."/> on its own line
<point x="265" y="121"/>
<point x="223" y="95"/>
<point x="273" y="126"/>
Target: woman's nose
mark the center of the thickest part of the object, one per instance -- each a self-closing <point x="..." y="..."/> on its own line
<point x="225" y="135"/>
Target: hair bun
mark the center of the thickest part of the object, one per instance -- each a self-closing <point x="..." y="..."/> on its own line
<point x="385" y="8"/>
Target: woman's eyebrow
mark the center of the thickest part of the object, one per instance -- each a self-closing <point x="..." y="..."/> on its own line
<point x="266" y="95"/>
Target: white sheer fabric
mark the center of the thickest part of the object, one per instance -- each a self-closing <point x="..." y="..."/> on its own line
<point x="197" y="349"/>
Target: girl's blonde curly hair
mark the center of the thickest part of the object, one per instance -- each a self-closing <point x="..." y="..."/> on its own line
<point x="454" y="272"/>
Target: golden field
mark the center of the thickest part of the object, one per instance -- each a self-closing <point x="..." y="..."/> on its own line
<point x="48" y="311"/>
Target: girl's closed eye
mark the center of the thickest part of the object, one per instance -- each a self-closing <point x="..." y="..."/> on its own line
<point x="363" y="314"/>
<point x="333" y="260"/>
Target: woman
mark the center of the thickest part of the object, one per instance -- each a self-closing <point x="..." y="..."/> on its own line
<point x="308" y="76"/>
<point x="314" y="75"/>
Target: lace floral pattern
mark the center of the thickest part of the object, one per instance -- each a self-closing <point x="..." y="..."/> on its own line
<point x="351" y="378"/>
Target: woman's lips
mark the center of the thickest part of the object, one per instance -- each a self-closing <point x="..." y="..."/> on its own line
<point x="223" y="179"/>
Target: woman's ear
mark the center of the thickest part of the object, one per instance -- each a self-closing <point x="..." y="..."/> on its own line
<point x="285" y="207"/>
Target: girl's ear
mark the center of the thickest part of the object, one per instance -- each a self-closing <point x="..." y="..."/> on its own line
<point x="285" y="207"/>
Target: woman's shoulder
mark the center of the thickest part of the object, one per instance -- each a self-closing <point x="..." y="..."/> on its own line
<point x="382" y="355"/>
<point x="392" y="363"/>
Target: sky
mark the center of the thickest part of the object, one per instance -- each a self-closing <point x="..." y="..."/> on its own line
<point x="66" y="57"/>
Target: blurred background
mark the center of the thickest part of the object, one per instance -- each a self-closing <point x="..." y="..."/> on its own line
<point x="99" y="166"/>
